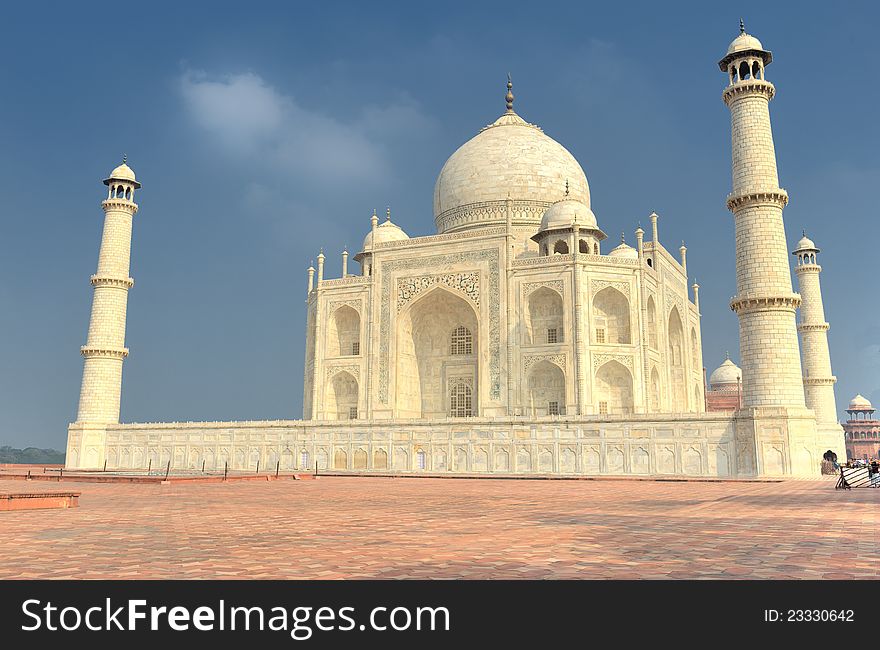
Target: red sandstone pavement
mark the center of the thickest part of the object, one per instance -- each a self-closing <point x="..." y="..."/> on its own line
<point x="341" y="527"/>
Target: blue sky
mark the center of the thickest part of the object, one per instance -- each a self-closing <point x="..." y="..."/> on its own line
<point x="264" y="131"/>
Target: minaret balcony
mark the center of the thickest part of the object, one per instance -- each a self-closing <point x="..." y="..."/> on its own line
<point x="765" y="303"/>
<point x="750" y="196"/>
<point x="748" y="87"/>
<point x="107" y="281"/>
<point x="119" y="204"/>
<point x="90" y="352"/>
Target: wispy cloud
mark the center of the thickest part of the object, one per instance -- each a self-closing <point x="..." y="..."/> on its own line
<point x="277" y="136"/>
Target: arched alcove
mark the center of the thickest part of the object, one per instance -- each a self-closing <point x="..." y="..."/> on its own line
<point x="546" y="389"/>
<point x="652" y="323"/>
<point x="544" y="320"/>
<point x="611" y="323"/>
<point x="560" y="247"/>
<point x="654" y="392"/>
<point x="675" y="360"/>
<point x="437" y="344"/>
<point x="343" y="332"/>
<point x="342" y="397"/>
<point x="614" y="389"/>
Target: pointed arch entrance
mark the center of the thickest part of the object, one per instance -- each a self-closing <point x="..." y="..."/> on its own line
<point x="437" y="352"/>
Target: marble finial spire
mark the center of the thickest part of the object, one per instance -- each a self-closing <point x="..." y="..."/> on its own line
<point x="124" y="158"/>
<point x="388" y="213"/>
<point x="742" y="26"/>
<point x="509" y="96"/>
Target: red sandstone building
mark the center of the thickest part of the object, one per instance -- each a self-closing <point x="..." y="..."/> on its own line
<point x="862" y="430"/>
<point x="724" y="392"/>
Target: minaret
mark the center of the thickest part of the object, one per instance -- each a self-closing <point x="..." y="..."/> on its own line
<point x="764" y="302"/>
<point x="105" y="349"/>
<point x="818" y="380"/>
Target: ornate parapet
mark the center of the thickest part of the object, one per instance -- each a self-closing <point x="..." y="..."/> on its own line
<point x="346" y="281"/>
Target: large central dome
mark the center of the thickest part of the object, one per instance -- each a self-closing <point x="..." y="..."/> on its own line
<point x="512" y="159"/>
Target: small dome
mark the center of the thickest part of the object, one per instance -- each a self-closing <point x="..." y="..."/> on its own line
<point x="859" y="403"/>
<point x="728" y="373"/>
<point x="122" y="173"/>
<point x="806" y="244"/>
<point x="624" y="251"/>
<point x="565" y="213"/>
<point x="385" y="232"/>
<point x="744" y="42"/>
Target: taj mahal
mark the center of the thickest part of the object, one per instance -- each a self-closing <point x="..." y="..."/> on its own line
<point x="518" y="339"/>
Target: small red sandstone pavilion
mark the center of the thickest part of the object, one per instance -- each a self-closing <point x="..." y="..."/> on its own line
<point x="862" y="430"/>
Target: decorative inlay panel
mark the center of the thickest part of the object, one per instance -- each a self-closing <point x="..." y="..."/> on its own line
<point x="532" y="359"/>
<point x="674" y="299"/>
<point x="622" y="287"/>
<point x="600" y="360"/>
<point x="467" y="283"/>
<point x="493" y="299"/>
<point x="354" y="304"/>
<point x="556" y="285"/>
<point x="353" y="370"/>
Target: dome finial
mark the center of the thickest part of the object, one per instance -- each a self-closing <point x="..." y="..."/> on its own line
<point x="566" y="187"/>
<point x="727" y="355"/>
<point x="622" y="238"/>
<point x="509" y="96"/>
<point x="124" y="158"/>
<point x="388" y="213"/>
<point x="742" y="26"/>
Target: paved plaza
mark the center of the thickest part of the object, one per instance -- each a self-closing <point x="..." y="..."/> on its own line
<point x="372" y="527"/>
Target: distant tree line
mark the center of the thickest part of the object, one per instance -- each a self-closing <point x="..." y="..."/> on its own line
<point x="31" y="455"/>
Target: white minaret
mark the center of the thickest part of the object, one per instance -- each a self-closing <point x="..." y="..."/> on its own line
<point x="105" y="349"/>
<point x="764" y="302"/>
<point x="818" y="378"/>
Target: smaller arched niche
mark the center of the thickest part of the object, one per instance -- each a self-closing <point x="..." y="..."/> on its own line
<point x="652" y="323"/>
<point x="614" y="389"/>
<point x="544" y="324"/>
<point x="654" y="392"/>
<point x="546" y="385"/>
<point x="342" y="397"/>
<point x="344" y="333"/>
<point x="560" y="247"/>
<point x="611" y="317"/>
